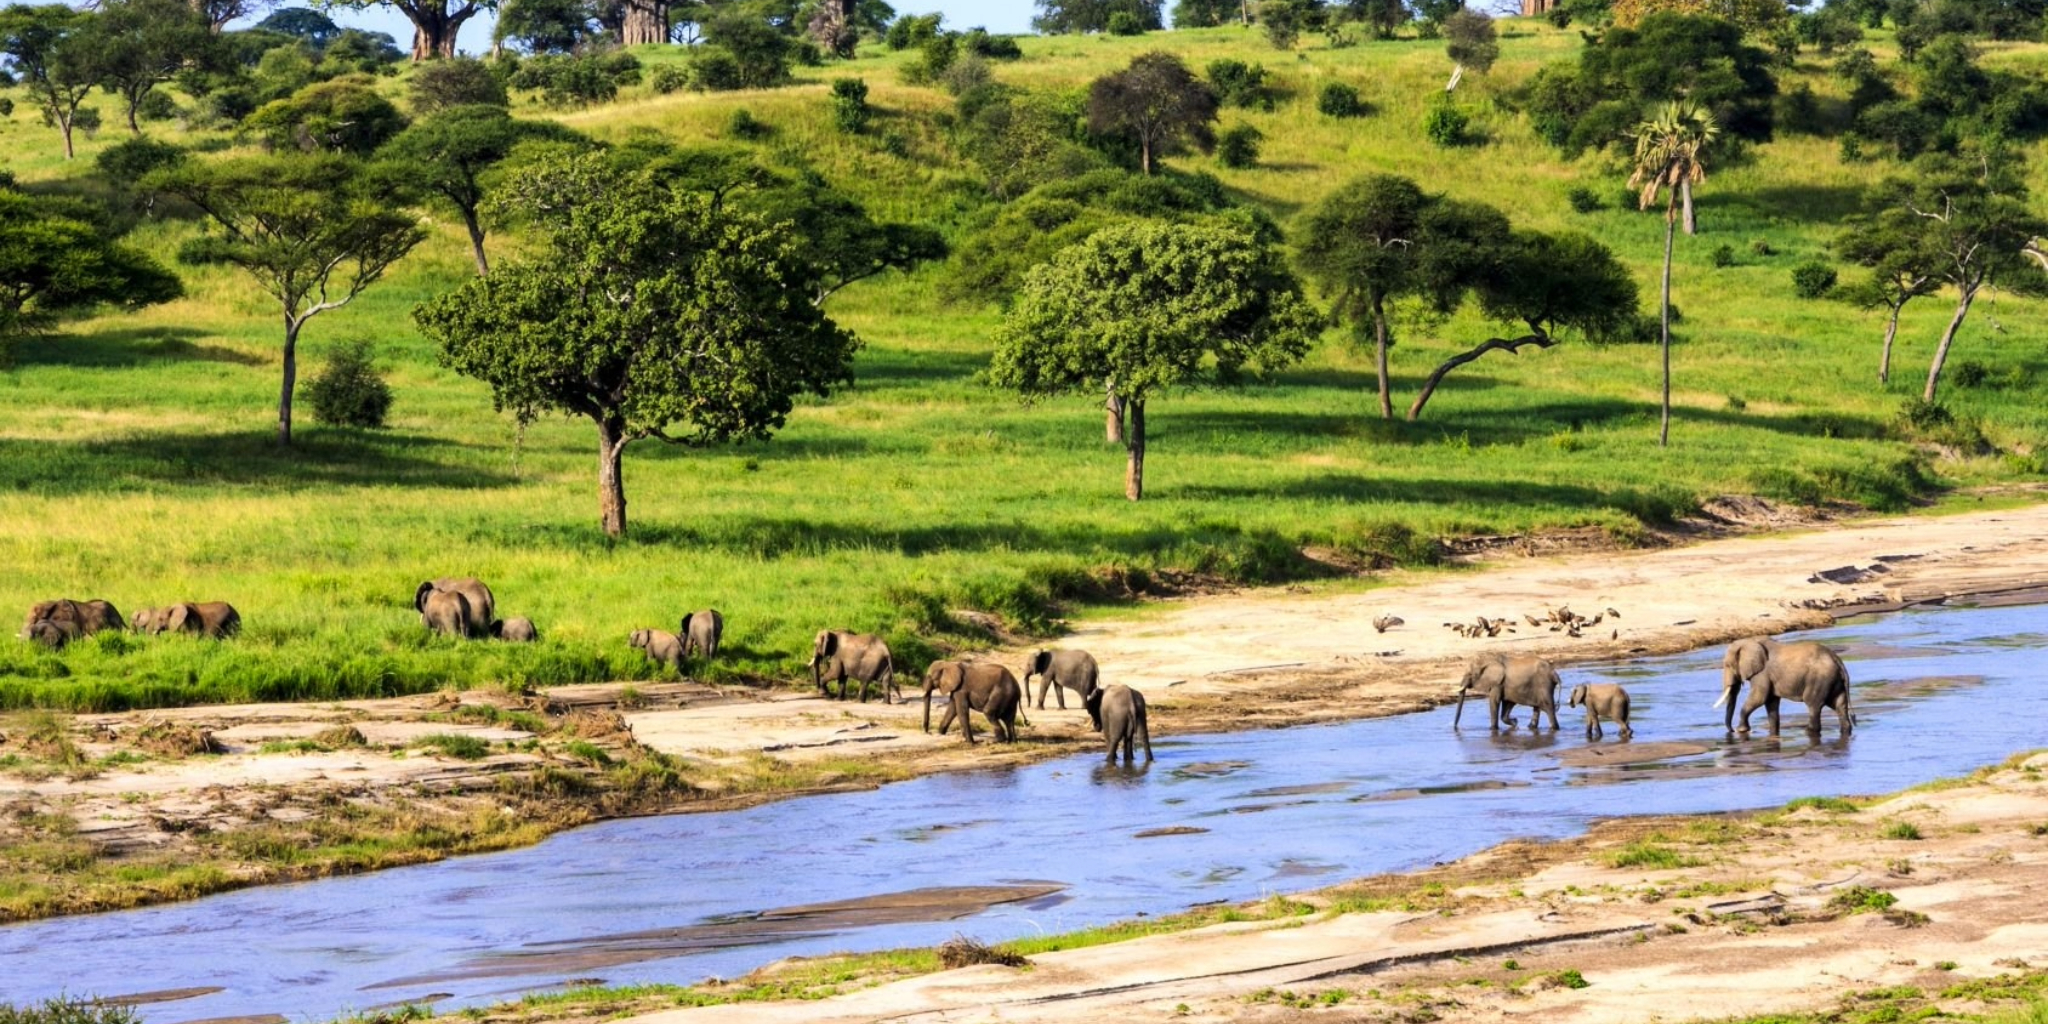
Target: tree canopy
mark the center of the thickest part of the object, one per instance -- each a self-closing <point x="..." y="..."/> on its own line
<point x="653" y="311"/>
<point x="1138" y="310"/>
<point x="1156" y="103"/>
<point x="55" y="260"/>
<point x="49" y="49"/>
<point x="1623" y="77"/>
<point x="450" y="155"/>
<point x="1074" y="16"/>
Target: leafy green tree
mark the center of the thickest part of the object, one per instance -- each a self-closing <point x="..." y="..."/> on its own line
<point x="1380" y="239"/>
<point x="1380" y="17"/>
<point x="1471" y="41"/>
<point x="145" y="43"/>
<point x="762" y="53"/>
<point x="1143" y="309"/>
<point x="55" y="260"/>
<point x="314" y="232"/>
<point x="1056" y="17"/>
<point x="1625" y="77"/>
<point x="1158" y="104"/>
<point x="460" y="82"/>
<point x="1211" y="13"/>
<point x="654" y="312"/>
<point x="50" y="50"/>
<point x="315" y="28"/>
<point x="346" y="115"/>
<point x="1550" y="285"/>
<point x="1895" y="246"/>
<point x="435" y="23"/>
<point x="451" y="155"/>
<point x="1285" y="20"/>
<point x="1670" y="158"/>
<point x="546" y="26"/>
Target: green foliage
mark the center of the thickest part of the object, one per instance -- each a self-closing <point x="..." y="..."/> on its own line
<point x="1445" y="124"/>
<point x="1471" y="40"/>
<point x="439" y="85"/>
<point x="55" y="261"/>
<point x="1862" y="899"/>
<point x="1125" y="23"/>
<point x="64" y="1011"/>
<point x="1647" y="853"/>
<point x="1900" y="830"/>
<point x="346" y="115"/>
<point x="50" y="50"/>
<point x="668" y="78"/>
<point x="142" y="44"/>
<point x="1830" y="804"/>
<point x="912" y="31"/>
<point x="743" y="125"/>
<point x="1569" y="978"/>
<point x="1338" y="99"/>
<point x="349" y="391"/>
<point x="1724" y="256"/>
<point x="1155" y="104"/>
<point x="452" y="156"/>
<point x="1238" y="146"/>
<point x="1238" y="84"/>
<point x="1813" y="279"/>
<point x="1630" y="71"/>
<point x="127" y="162"/>
<point x="760" y="55"/>
<point x="461" y="746"/>
<point x="548" y="26"/>
<point x="580" y="80"/>
<point x="850" y="110"/>
<point x="1085" y="16"/>
<point x="1585" y="199"/>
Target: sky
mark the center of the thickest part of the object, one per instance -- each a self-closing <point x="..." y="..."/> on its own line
<point x="994" y="15"/>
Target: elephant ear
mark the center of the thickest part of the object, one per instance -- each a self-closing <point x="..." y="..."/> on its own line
<point x="1750" y="658"/>
<point x="683" y="627"/>
<point x="179" y="615"/>
<point x="1040" y="662"/>
<point x="419" y="597"/>
<point x="828" y="644"/>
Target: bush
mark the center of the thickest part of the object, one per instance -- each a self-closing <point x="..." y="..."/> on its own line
<point x="579" y="81"/>
<point x="63" y="1011"/>
<point x="743" y="125"/>
<point x="157" y="106"/>
<point x="1340" y="100"/>
<point x="1584" y="200"/>
<point x="1724" y="256"/>
<point x="348" y="391"/>
<point x="850" y="110"/>
<point x="1125" y="23"/>
<point x="1761" y="247"/>
<point x="1970" y="374"/>
<point x="714" y="69"/>
<point x="912" y="31"/>
<point x="1239" y="146"/>
<point x="1813" y="279"/>
<point x="125" y="162"/>
<point x="1239" y="84"/>
<point x="463" y="81"/>
<point x="669" y="78"/>
<point x="1445" y="125"/>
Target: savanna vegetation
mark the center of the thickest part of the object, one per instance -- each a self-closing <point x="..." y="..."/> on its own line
<point x="908" y="178"/>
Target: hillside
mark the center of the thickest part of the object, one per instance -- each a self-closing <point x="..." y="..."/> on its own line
<point x="136" y="462"/>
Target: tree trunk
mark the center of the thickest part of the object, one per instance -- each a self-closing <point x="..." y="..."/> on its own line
<point x="1145" y="154"/>
<point x="1380" y="344"/>
<point x="476" y="241"/>
<point x="434" y="29"/>
<point x="1891" y="331"/>
<point x="1134" y="443"/>
<point x="611" y="479"/>
<point x="64" y="123"/>
<point x="133" y="128"/>
<point x="291" y="380"/>
<point x="1664" y="333"/>
<point x="1948" y="337"/>
<point x="646" y="21"/>
<point x="1512" y="346"/>
<point x="1244" y="10"/>
<point x="1113" y="416"/>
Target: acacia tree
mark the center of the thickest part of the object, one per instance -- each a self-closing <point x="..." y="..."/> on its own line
<point x="1141" y="309"/>
<point x="1670" y="157"/>
<point x="143" y="43"/>
<point x="450" y="155"/>
<point x="1550" y="285"/>
<point x="435" y="23"/>
<point x="48" y="48"/>
<point x="311" y="229"/>
<point x="54" y="261"/>
<point x="1380" y="239"/>
<point x="653" y="311"/>
<point x="1471" y="42"/>
<point x="1894" y="245"/>
<point x="1157" y="103"/>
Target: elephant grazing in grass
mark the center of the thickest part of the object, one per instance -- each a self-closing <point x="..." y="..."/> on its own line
<point x="482" y="605"/>
<point x="982" y="686"/>
<point x="53" y="634"/>
<point x="701" y="631"/>
<point x="1602" y="700"/>
<point x="448" y="613"/>
<point x="661" y="646"/>
<point x="1507" y="680"/>
<point x="1803" y="671"/>
<point x="84" y="617"/>
<point x="214" y="620"/>
<point x="842" y="657"/>
<point x="516" y="630"/>
<point x="1121" y="710"/>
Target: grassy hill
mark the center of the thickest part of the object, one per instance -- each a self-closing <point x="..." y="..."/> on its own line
<point x="136" y="460"/>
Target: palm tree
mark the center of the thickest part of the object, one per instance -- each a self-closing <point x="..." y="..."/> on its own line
<point x="1670" y="159"/>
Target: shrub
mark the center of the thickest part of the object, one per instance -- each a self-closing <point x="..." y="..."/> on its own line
<point x="440" y="84"/>
<point x="743" y="125"/>
<point x="714" y="69"/>
<point x="63" y="1011"/>
<point x="1584" y="200"/>
<point x="669" y="78"/>
<point x="461" y="746"/>
<point x="1445" y="125"/>
<point x="1239" y="146"/>
<point x="157" y="106"/>
<point x="1813" y="279"/>
<point x="125" y="162"/>
<point x="581" y="80"/>
<point x="1761" y="247"/>
<point x="850" y="110"/>
<point x="1239" y="84"/>
<point x="911" y="31"/>
<point x="348" y="391"/>
<point x="1903" y="830"/>
<point x="1968" y="374"/>
<point x="961" y="951"/>
<point x="1862" y="899"/>
<point x="1125" y="23"/>
<point x="1340" y="100"/>
<point x="1724" y="256"/>
<point x="6" y="106"/>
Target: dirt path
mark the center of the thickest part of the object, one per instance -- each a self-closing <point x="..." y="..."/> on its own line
<point x="186" y="786"/>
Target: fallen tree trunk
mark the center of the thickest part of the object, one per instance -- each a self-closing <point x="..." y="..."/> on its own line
<point x="1512" y="346"/>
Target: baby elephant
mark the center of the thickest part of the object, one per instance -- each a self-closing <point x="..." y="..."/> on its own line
<point x="1602" y="700"/>
<point x="661" y="646"/>
<point x="701" y="632"/>
<point x="1121" y="710"/>
<point x="211" y="619"/>
<point x="516" y="630"/>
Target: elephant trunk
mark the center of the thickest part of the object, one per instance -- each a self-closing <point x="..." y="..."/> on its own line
<point x="817" y="676"/>
<point x="927" y="706"/>
<point x="1462" y="691"/>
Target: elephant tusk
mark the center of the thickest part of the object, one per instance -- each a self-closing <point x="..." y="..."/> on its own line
<point x="1723" y="699"/>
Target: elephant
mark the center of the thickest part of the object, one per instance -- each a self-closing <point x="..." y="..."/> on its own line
<point x="842" y="657"/>
<point x="483" y="606"/>
<point x="51" y="633"/>
<point x="88" y="617"/>
<point x="982" y="686"/>
<point x="1602" y="700"/>
<point x="1508" y="680"/>
<point x="1061" y="671"/>
<point x="211" y="619"/>
<point x="1803" y="671"/>
<point x="660" y="645"/>
<point x="448" y="612"/>
<point x="701" y="632"/>
<point x="518" y="630"/>
<point x="1121" y="710"/>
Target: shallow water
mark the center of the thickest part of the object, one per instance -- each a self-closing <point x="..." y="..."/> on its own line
<point x="1277" y="811"/>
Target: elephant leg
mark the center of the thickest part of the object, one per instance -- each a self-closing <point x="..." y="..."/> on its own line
<point x="946" y="720"/>
<point x="1771" y="708"/>
<point x="1059" y="693"/>
<point x="1813" y="717"/>
<point x="1749" y="707"/>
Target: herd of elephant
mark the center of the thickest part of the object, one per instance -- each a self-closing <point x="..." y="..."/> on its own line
<point x="54" y="624"/>
<point x="1805" y="672"/>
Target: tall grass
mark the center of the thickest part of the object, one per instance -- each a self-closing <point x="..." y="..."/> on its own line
<point x="135" y="461"/>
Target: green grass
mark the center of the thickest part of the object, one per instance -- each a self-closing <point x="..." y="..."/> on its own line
<point x="136" y="465"/>
<point x="1901" y="830"/>
<point x="1649" y="853"/>
<point x="1830" y="804"/>
<point x="456" y="745"/>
